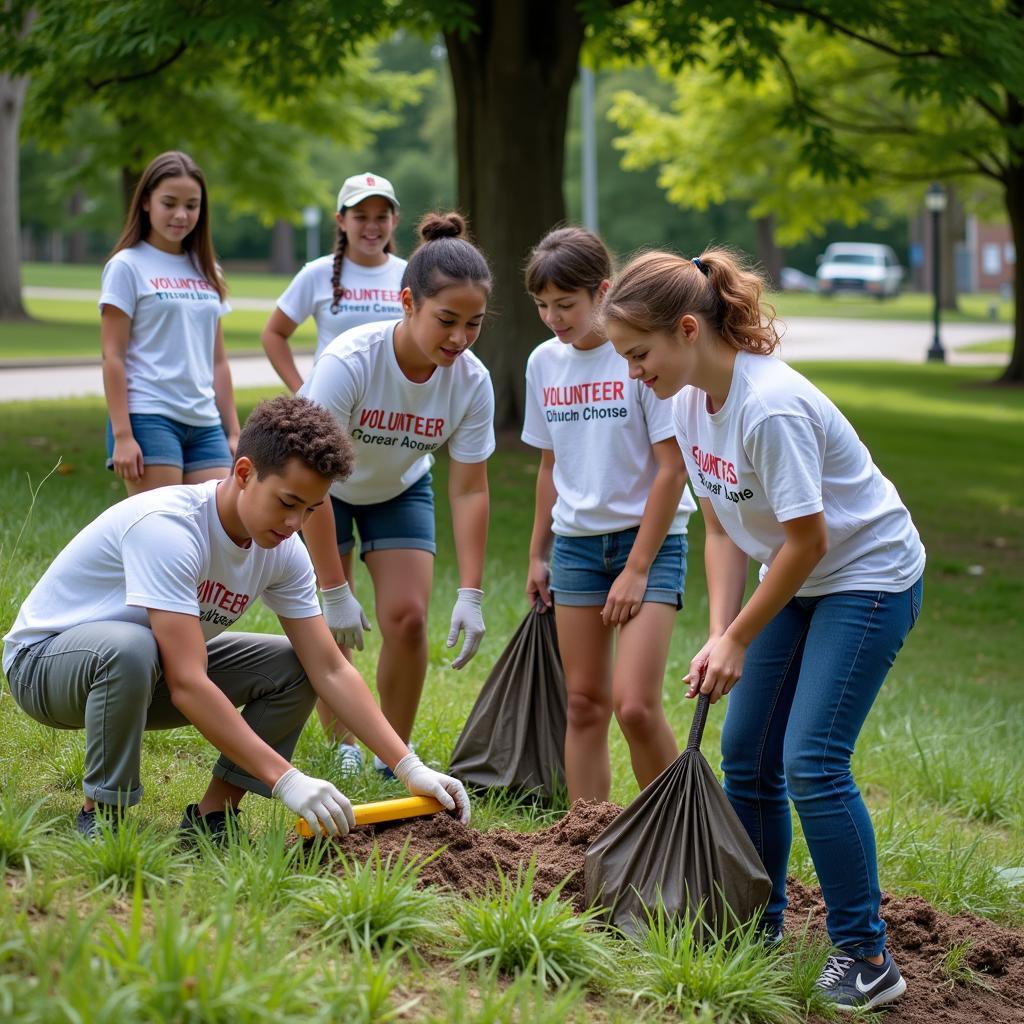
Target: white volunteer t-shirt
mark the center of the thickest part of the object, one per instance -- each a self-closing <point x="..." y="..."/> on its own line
<point x="581" y="405"/>
<point x="163" y="549"/>
<point x="778" y="449"/>
<point x="369" y="294"/>
<point x="396" y="424"/>
<point x="174" y="312"/>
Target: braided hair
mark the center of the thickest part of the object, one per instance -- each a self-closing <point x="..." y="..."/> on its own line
<point x="340" y="245"/>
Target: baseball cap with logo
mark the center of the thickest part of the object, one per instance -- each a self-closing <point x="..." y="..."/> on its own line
<point x="362" y="186"/>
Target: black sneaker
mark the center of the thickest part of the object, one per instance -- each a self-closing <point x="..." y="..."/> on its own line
<point x="854" y="984"/>
<point x="217" y="826"/>
<point x="86" y="824"/>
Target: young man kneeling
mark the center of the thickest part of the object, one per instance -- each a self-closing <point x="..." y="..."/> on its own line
<point x="125" y="632"/>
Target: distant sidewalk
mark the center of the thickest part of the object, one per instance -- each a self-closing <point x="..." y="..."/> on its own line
<point x="91" y="295"/>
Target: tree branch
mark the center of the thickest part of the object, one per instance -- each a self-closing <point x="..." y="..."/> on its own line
<point x="836" y="26"/>
<point x="120" y="79"/>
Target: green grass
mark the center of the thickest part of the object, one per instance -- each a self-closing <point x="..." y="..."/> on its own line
<point x="1001" y="347"/>
<point x="938" y="760"/>
<point x="906" y="306"/>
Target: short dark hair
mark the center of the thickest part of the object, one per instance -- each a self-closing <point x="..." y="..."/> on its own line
<point x="285" y="428"/>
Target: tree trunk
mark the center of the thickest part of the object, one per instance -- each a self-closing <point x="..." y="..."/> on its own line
<point x="1014" y="183"/>
<point x="771" y="257"/>
<point x="512" y="79"/>
<point x="282" y="248"/>
<point x="12" y="98"/>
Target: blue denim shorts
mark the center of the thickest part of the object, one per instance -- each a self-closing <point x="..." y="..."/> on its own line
<point x="166" y="442"/>
<point x="404" y="521"/>
<point x="584" y="568"/>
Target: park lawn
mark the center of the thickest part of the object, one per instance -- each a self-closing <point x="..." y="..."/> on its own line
<point x="905" y="306"/>
<point x="938" y="761"/>
<point x="1000" y="346"/>
<point x="69" y="328"/>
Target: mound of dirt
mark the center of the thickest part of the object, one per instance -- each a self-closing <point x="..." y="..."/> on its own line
<point x="919" y="935"/>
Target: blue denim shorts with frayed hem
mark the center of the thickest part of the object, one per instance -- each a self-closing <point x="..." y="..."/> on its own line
<point x="167" y="442"/>
<point x="404" y="521"/>
<point x="583" y="569"/>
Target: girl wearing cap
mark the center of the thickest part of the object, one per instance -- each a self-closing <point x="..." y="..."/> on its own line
<point x="782" y="477"/>
<point x="403" y="389"/>
<point x="611" y="510"/>
<point x="171" y="405"/>
<point x="358" y="284"/>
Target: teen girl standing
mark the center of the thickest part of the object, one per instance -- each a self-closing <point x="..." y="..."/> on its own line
<point x="611" y="509"/>
<point x="782" y="477"/>
<point x="358" y="284"/>
<point x="171" y="406"/>
<point x="402" y="389"/>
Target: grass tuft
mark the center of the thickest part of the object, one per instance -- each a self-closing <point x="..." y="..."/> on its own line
<point x="955" y="967"/>
<point x="545" y="938"/>
<point x="371" y="904"/>
<point x="22" y="828"/>
<point x="136" y="850"/>
<point x="734" y="978"/>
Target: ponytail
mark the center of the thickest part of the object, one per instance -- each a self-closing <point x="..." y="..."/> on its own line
<point x="656" y="290"/>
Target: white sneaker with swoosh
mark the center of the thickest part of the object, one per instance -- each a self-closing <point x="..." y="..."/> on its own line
<point x="855" y="984"/>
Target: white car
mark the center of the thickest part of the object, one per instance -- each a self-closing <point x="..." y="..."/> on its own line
<point x="859" y="267"/>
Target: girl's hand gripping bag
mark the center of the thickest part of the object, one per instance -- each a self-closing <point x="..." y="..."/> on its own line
<point x="515" y="734"/>
<point x="680" y="840"/>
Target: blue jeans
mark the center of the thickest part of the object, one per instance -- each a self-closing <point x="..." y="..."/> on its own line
<point x="809" y="680"/>
<point x="583" y="569"/>
<point x="167" y="442"/>
<point x="404" y="521"/>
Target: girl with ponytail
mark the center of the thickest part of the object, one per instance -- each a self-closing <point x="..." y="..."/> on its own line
<point x="403" y="389"/>
<point x="356" y="284"/>
<point x="782" y="477"/>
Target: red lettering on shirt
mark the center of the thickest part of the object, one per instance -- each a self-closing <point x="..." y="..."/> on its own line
<point x="401" y="422"/>
<point x="585" y="394"/>
<point x="370" y="295"/>
<point x="196" y="284"/>
<point x="211" y="592"/>
<point x="714" y="465"/>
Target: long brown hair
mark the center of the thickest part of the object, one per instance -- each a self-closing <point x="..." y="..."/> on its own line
<point x="198" y="243"/>
<point x="655" y="290"/>
<point x="340" y="245"/>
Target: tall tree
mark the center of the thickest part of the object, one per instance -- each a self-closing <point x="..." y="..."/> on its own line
<point x="15" y="21"/>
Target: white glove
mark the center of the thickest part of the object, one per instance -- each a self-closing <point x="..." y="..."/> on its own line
<point x="317" y="801"/>
<point x="345" y="616"/>
<point x="423" y="781"/>
<point x="468" y="616"/>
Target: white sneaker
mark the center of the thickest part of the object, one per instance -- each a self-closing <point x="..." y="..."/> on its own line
<point x="348" y="760"/>
<point x="382" y="768"/>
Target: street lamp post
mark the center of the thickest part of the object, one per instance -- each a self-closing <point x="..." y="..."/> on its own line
<point x="935" y="202"/>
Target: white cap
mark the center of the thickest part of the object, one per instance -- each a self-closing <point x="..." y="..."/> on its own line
<point x="362" y="186"/>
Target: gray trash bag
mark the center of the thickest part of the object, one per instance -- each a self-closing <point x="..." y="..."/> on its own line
<point x="515" y="734"/>
<point x="679" y="840"/>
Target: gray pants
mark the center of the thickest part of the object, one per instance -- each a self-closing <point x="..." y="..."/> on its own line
<point x="107" y="678"/>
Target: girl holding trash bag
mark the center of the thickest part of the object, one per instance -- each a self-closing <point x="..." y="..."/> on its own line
<point x="402" y="389"/>
<point x="359" y="283"/>
<point x="171" y="406"/>
<point x="782" y="477"/>
<point x="612" y="509"/>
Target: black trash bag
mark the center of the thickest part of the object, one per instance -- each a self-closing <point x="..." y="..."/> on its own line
<point x="680" y="841"/>
<point x="515" y="734"/>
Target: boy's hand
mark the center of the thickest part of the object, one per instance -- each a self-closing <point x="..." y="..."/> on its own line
<point x="423" y="781"/>
<point x="316" y="801"/>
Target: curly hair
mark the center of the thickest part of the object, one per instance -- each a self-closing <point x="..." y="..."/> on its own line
<point x="284" y="428"/>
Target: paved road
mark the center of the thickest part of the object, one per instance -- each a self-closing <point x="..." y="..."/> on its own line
<point x="806" y="338"/>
